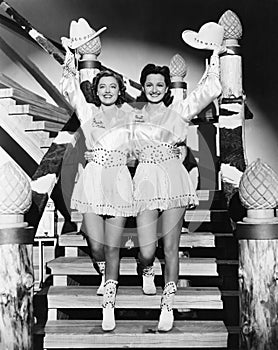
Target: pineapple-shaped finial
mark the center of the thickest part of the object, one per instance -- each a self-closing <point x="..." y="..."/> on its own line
<point x="232" y="26"/>
<point x="178" y="67"/>
<point x="90" y="47"/>
<point x="15" y="195"/>
<point x="15" y="190"/>
<point x="258" y="188"/>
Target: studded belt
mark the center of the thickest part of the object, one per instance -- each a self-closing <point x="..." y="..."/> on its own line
<point x="157" y="153"/>
<point x="108" y="158"/>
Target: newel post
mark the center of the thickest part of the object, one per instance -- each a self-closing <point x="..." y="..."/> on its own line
<point x="16" y="260"/>
<point x="231" y="114"/>
<point x="178" y="70"/>
<point x="257" y="235"/>
<point x="88" y="64"/>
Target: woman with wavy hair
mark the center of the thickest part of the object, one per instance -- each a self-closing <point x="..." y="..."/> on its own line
<point x="162" y="186"/>
<point x="102" y="192"/>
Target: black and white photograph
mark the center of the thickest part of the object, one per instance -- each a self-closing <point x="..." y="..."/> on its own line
<point x="138" y="174"/>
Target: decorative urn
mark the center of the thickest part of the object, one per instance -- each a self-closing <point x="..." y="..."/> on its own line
<point x="15" y="195"/>
<point x="258" y="192"/>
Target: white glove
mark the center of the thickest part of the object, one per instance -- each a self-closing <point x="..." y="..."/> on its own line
<point x="221" y="49"/>
<point x="69" y="68"/>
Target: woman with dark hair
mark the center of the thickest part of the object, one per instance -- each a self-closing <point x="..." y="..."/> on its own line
<point x="103" y="190"/>
<point x="162" y="186"/>
<point x="95" y="94"/>
<point x="153" y="69"/>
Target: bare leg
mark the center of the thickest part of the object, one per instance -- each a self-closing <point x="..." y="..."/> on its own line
<point x="172" y="220"/>
<point x="147" y="235"/>
<point x="93" y="228"/>
<point x="147" y="238"/>
<point x="113" y="233"/>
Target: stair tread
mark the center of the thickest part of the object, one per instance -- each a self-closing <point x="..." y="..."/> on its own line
<point x="191" y="239"/>
<point x="195" y="215"/>
<point x="83" y="266"/>
<point x="133" y="297"/>
<point x="44" y="125"/>
<point x="84" y="333"/>
<point x="45" y="112"/>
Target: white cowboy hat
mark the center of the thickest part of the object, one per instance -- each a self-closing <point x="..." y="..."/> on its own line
<point x="209" y="37"/>
<point x="81" y="32"/>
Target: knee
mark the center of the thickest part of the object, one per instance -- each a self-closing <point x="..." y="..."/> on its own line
<point x="171" y="251"/>
<point x="96" y="248"/>
<point x="147" y="256"/>
<point x="111" y="252"/>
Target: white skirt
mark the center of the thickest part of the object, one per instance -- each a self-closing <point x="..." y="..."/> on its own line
<point x="103" y="190"/>
<point x="163" y="186"/>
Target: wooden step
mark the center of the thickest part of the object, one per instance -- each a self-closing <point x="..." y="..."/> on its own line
<point x="83" y="266"/>
<point x="6" y="82"/>
<point x="133" y="297"/>
<point x="16" y="134"/>
<point x="194" y="215"/>
<point x="205" y="215"/>
<point x="191" y="239"/>
<point x="42" y="113"/>
<point x="85" y="334"/>
<point x="46" y="143"/>
<point x="24" y="96"/>
<point x="44" y="126"/>
<point x="211" y="199"/>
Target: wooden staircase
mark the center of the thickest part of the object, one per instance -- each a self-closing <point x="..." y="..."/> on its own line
<point x="202" y="311"/>
<point x="28" y="126"/>
<point x="68" y="312"/>
<point x="30" y="121"/>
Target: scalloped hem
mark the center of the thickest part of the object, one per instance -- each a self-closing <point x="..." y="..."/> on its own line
<point x="101" y="209"/>
<point x="152" y="204"/>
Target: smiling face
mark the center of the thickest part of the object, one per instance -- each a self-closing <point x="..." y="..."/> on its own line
<point x="108" y="90"/>
<point x="155" y="87"/>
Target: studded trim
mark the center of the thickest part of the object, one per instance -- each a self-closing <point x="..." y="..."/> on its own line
<point x="108" y="158"/>
<point x="168" y="294"/>
<point x="110" y="290"/>
<point x="157" y="154"/>
<point x="148" y="271"/>
<point x="101" y="267"/>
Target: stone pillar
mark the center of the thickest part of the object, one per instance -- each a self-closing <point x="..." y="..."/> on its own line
<point x="16" y="260"/>
<point x="257" y="234"/>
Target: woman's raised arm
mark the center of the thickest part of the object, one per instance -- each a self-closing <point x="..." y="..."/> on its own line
<point x="208" y="89"/>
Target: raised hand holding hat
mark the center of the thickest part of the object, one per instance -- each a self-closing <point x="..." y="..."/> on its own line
<point x="209" y="37"/>
<point x="81" y="33"/>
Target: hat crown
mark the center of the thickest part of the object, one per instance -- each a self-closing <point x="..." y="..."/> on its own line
<point x="80" y="28"/>
<point x="81" y="32"/>
<point x="209" y="37"/>
<point x="211" y="32"/>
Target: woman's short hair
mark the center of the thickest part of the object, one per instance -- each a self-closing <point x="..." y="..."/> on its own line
<point x="154" y="69"/>
<point x="122" y="89"/>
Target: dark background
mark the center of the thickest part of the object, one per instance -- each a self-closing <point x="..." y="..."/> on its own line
<point x="160" y="23"/>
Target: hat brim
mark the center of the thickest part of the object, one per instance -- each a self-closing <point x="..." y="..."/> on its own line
<point x="190" y="38"/>
<point x="81" y="42"/>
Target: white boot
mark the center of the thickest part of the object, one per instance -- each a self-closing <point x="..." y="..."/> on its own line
<point x="108" y="305"/>
<point x="101" y="268"/>
<point x="166" y="318"/>
<point x="148" y="280"/>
